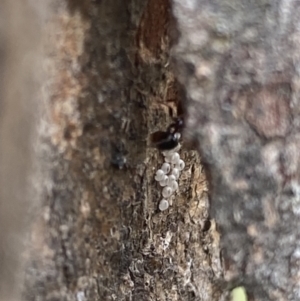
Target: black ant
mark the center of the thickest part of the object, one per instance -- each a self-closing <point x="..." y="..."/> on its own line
<point x="169" y="139"/>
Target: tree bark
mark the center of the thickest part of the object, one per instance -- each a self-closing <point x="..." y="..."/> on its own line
<point x="99" y="234"/>
<point x="239" y="63"/>
<point x="19" y="70"/>
<point x="105" y="76"/>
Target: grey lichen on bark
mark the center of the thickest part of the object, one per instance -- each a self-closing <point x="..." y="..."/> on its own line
<point x="239" y="63"/>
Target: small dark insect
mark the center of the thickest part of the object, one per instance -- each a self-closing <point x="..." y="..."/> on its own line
<point x="169" y="139"/>
<point x="118" y="155"/>
<point x="118" y="161"/>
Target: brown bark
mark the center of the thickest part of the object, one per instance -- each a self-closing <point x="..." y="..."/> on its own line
<point x="239" y="61"/>
<point x="98" y="233"/>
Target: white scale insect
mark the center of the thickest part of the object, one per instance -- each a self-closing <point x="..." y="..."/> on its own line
<point x="168" y="175"/>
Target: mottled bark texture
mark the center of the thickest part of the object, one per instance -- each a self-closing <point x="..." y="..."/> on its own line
<point x="239" y="62"/>
<point x="99" y="234"/>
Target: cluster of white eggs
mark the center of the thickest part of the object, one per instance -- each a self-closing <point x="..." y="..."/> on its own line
<point x="168" y="176"/>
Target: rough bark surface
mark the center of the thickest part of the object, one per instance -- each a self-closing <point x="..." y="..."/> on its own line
<point x="239" y="63"/>
<point x="99" y="234"/>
